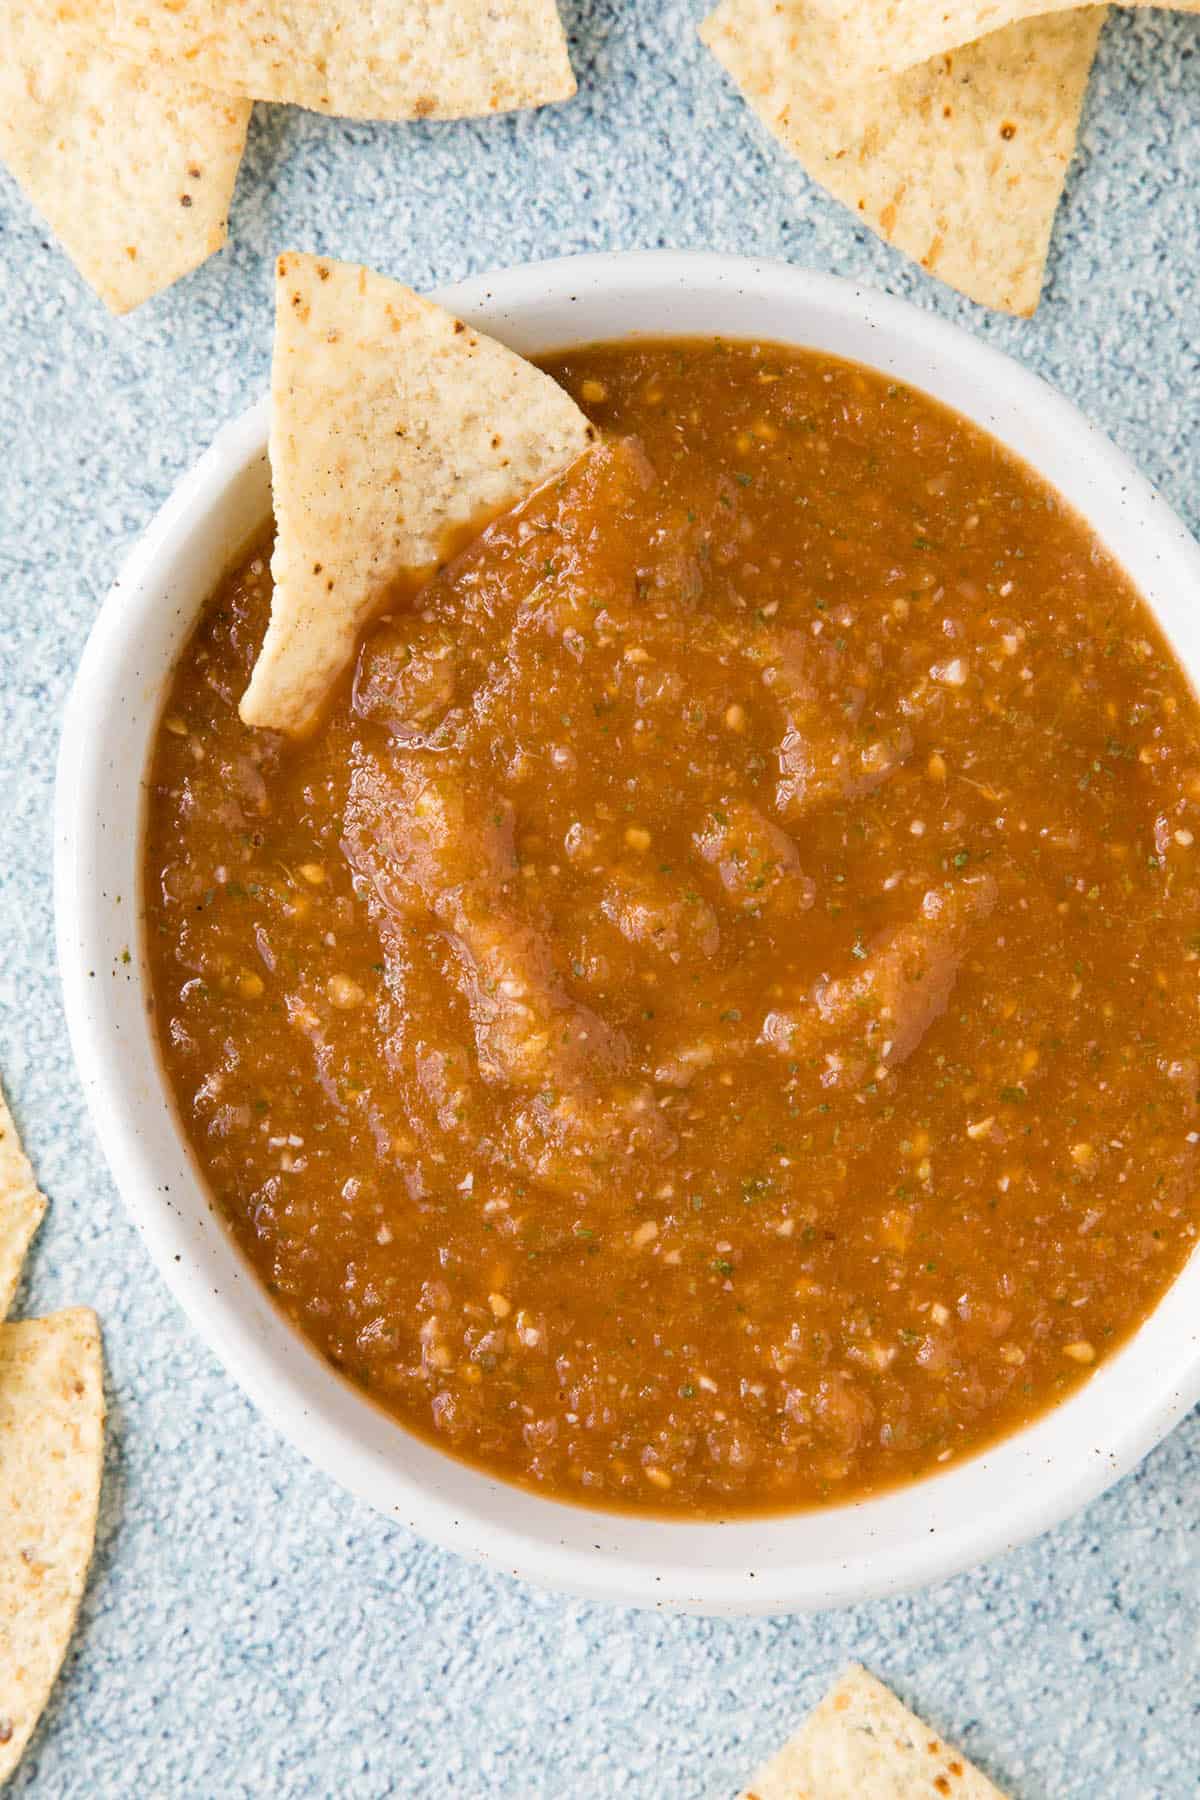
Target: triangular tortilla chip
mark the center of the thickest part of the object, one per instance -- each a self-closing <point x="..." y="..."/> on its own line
<point x="21" y="1206"/>
<point x="393" y="427"/>
<point x="884" y="36"/>
<point x="132" y="168"/>
<point x="960" y="162"/>
<point x="391" y="59"/>
<point x="51" y="1450"/>
<point x="861" y="1744"/>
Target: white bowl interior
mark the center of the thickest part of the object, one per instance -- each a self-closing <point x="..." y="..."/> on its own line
<point x="771" y="1564"/>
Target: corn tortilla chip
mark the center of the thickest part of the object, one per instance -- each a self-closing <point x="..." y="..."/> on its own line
<point x="21" y="1207"/>
<point x="960" y="162"/>
<point x="51" y="1449"/>
<point x="861" y="1744"/>
<point x="393" y="427"/>
<point x="393" y="59"/>
<point x="884" y="36"/>
<point x="132" y="168"/>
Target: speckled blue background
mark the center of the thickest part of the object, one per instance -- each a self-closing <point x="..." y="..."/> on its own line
<point x="249" y="1630"/>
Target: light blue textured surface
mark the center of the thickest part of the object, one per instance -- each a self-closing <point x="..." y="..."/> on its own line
<point x="248" y="1629"/>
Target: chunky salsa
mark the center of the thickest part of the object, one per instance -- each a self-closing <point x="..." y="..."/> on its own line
<point x="709" y="1022"/>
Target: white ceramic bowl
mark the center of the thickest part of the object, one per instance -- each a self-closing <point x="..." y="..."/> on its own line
<point x="780" y="1564"/>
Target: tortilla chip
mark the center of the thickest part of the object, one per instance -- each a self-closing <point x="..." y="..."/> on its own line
<point x="21" y="1206"/>
<point x="131" y="168"/>
<point x="51" y="1449"/>
<point x="884" y="36"/>
<point x="393" y="427"/>
<point x="392" y="59"/>
<point x="960" y="162"/>
<point x="861" y="1744"/>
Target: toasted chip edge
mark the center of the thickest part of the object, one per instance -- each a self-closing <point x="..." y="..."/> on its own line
<point x="51" y="1451"/>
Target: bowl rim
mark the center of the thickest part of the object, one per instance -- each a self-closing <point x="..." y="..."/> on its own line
<point x="1022" y="1509"/>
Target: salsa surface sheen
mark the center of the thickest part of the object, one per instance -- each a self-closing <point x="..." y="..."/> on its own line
<point x="709" y="1023"/>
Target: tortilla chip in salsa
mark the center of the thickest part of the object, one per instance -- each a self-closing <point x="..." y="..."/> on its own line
<point x="51" y="1451"/>
<point x="394" y="429"/>
<point x="860" y="1743"/>
<point x="132" y="168"/>
<point x="959" y="162"/>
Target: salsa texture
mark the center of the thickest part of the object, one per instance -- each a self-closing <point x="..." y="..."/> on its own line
<point x="710" y="1021"/>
